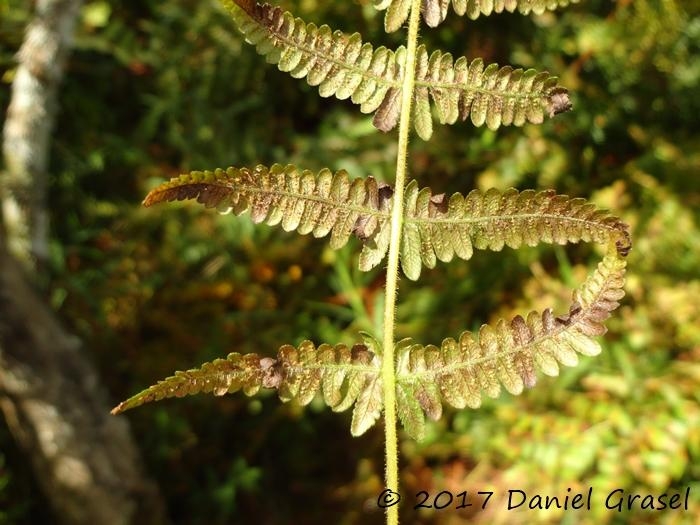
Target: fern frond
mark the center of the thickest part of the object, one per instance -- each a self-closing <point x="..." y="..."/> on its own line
<point x="491" y="95"/>
<point x="435" y="228"/>
<point x="339" y="64"/>
<point x="346" y="376"/>
<point x="343" y="66"/>
<point x="460" y="370"/>
<point x="438" y="228"/>
<point x="435" y="11"/>
<point x="298" y="200"/>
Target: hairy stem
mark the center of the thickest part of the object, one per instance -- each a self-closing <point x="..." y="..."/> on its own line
<point x="392" y="276"/>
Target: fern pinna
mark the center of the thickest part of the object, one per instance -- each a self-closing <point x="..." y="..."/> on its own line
<point x="407" y="226"/>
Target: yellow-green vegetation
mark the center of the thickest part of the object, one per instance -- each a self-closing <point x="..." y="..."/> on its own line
<point x="155" y="89"/>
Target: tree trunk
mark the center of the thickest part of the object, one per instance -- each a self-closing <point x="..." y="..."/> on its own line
<point x="84" y="459"/>
<point x="29" y="124"/>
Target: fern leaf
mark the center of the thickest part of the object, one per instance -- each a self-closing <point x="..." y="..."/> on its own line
<point x="435" y="11"/>
<point x="343" y="66"/>
<point x="437" y="228"/>
<point x="339" y="64"/>
<point x="491" y="95"/>
<point x="346" y="376"/>
<point x="298" y="200"/>
<point x="507" y="354"/>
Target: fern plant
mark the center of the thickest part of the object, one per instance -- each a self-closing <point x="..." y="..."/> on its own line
<point x="409" y="226"/>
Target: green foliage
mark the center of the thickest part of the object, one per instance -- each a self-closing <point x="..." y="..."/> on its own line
<point x="171" y="88"/>
<point x="19" y="492"/>
<point x="9" y="516"/>
<point x="11" y="24"/>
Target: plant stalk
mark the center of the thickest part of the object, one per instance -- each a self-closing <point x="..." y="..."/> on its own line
<point x="392" y="274"/>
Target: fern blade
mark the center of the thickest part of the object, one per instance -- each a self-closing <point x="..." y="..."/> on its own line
<point x="342" y="66"/>
<point x="346" y="376"/>
<point x="491" y="220"/>
<point x="435" y="11"/>
<point x="509" y="353"/>
<point x="237" y="372"/>
<point x="490" y="95"/>
<point x="297" y="200"/>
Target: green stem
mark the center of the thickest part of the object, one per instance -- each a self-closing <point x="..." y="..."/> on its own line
<point x="392" y="274"/>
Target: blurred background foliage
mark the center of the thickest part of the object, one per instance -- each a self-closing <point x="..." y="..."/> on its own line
<point x="158" y="87"/>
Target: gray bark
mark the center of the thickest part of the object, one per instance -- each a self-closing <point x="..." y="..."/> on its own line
<point x="29" y="125"/>
<point x="84" y="459"/>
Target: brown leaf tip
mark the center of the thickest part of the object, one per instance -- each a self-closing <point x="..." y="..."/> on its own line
<point x="165" y="193"/>
<point x="558" y="101"/>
